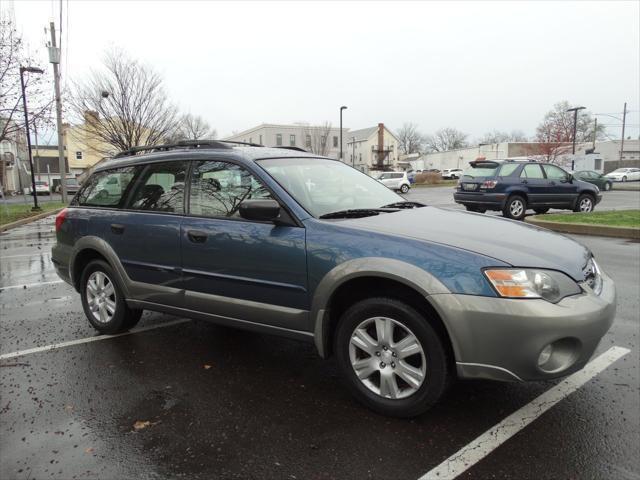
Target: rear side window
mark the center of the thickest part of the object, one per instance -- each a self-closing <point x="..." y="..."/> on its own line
<point x="532" y="170"/>
<point x="508" y="168"/>
<point x="161" y="188"/>
<point x="106" y="188"/>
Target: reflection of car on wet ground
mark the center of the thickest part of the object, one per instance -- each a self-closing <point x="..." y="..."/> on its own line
<point x="599" y="180"/>
<point x="406" y="297"/>
<point x="515" y="186"/>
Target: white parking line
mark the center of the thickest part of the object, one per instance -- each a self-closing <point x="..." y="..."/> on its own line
<point x="29" y="285"/>
<point x="482" y="446"/>
<point x="79" y="341"/>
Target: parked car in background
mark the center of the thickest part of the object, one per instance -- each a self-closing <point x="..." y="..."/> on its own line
<point x="602" y="182"/>
<point x="624" y="175"/>
<point x="515" y="186"/>
<point x="452" y="173"/>
<point x="42" y="187"/>
<point x="406" y="297"/>
<point x="71" y="185"/>
<point x="395" y="181"/>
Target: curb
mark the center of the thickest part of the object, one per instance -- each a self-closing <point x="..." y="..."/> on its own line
<point x="624" y="187"/>
<point x="587" y="229"/>
<point x="24" y="221"/>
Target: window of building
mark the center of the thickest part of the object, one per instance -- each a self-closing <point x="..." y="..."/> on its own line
<point x="106" y="189"/>
<point x="78" y="155"/>
<point x="279" y="139"/>
<point x="360" y="159"/>
<point x="161" y="188"/>
<point x="250" y="139"/>
<point x="323" y="140"/>
<point x="260" y="140"/>
<point x="335" y="141"/>
<point x="292" y="140"/>
<point x="218" y="189"/>
<point x="598" y="164"/>
<point x="307" y="141"/>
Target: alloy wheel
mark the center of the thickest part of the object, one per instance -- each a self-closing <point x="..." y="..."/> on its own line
<point x="586" y="205"/>
<point x="516" y="208"/>
<point x="101" y="297"/>
<point x="387" y="357"/>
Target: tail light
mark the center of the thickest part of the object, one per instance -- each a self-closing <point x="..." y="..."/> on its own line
<point x="489" y="184"/>
<point x="60" y="218"/>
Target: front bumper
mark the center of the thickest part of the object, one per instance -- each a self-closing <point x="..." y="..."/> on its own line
<point x="501" y="339"/>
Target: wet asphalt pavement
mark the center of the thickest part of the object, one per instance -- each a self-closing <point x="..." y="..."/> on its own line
<point x="212" y="402"/>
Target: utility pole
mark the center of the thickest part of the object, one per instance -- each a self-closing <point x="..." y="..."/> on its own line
<point x="575" y="128"/>
<point x="624" y="119"/>
<point x="595" y="132"/>
<point x="54" y="58"/>
<point x="26" y="128"/>
<point x="341" y="109"/>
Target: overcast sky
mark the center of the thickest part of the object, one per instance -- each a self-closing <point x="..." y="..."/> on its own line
<point x="476" y="66"/>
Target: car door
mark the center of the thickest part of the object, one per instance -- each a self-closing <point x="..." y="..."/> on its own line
<point x="535" y="184"/>
<point x="145" y="234"/>
<point x="239" y="269"/>
<point x="386" y="179"/>
<point x="563" y="191"/>
<point x="634" y="174"/>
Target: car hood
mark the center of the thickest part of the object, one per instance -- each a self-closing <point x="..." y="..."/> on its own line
<point x="516" y="243"/>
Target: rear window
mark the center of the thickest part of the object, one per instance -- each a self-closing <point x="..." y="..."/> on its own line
<point x="106" y="188"/>
<point x="482" y="170"/>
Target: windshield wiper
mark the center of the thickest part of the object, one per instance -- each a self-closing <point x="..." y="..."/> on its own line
<point x="354" y="213"/>
<point x="405" y="204"/>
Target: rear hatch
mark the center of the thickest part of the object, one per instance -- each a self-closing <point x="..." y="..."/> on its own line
<point x="479" y="176"/>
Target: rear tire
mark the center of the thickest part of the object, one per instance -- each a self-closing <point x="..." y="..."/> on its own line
<point x="541" y="211"/>
<point x="515" y="208"/>
<point x="103" y="301"/>
<point x="584" y="204"/>
<point x="404" y="188"/>
<point x="388" y="341"/>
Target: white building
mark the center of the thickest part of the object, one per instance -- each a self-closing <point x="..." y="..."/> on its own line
<point x="371" y="149"/>
<point x="323" y="139"/>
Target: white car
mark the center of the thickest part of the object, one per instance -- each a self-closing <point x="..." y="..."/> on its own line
<point x="624" y="174"/>
<point x="451" y="173"/>
<point x="41" y="187"/>
<point x="395" y="181"/>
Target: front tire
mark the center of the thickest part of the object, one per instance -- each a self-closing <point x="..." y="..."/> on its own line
<point x="103" y="301"/>
<point x="404" y="188"/>
<point x="515" y="208"/>
<point x="584" y="204"/>
<point x="607" y="186"/>
<point x="624" y="179"/>
<point x="390" y="357"/>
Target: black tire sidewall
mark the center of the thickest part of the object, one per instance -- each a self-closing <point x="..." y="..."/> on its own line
<point x="437" y="375"/>
<point x="404" y="189"/>
<point x="118" y="322"/>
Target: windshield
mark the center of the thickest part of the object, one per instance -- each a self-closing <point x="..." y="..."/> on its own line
<point x="326" y="186"/>
<point x="620" y="170"/>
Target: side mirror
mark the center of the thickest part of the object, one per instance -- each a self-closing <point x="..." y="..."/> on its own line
<point x="260" y="210"/>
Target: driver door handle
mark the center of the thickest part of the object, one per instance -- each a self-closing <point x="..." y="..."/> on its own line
<point x="196" y="236"/>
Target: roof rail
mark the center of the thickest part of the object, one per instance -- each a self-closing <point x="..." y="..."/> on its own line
<point x="249" y="144"/>
<point x="296" y="149"/>
<point x="170" y="146"/>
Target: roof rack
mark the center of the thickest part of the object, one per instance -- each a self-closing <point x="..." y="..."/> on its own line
<point x="170" y="146"/>
<point x="296" y="149"/>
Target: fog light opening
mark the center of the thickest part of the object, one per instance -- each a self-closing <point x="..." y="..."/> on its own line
<point x="545" y="355"/>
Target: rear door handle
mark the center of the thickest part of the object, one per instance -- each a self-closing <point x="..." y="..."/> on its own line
<point x="117" y="228"/>
<point x="196" y="236"/>
<point x="552" y="183"/>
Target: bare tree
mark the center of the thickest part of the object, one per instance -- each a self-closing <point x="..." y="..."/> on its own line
<point x="497" y="136"/>
<point x="316" y="138"/>
<point x="123" y="106"/>
<point x="12" y="57"/>
<point x="557" y="125"/>
<point x="444" y="139"/>
<point x="192" y="127"/>
<point x="410" y="139"/>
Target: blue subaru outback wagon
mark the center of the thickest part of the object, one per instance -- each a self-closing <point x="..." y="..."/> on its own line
<point x="405" y="296"/>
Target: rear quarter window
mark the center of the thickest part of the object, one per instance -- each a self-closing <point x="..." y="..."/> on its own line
<point x="105" y="188"/>
<point x="508" y="169"/>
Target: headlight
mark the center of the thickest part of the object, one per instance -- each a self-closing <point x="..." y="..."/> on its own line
<point x="528" y="283"/>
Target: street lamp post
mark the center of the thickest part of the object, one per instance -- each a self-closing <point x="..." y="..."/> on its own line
<point x="341" y="109"/>
<point x="26" y="127"/>
<point x="575" y="127"/>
